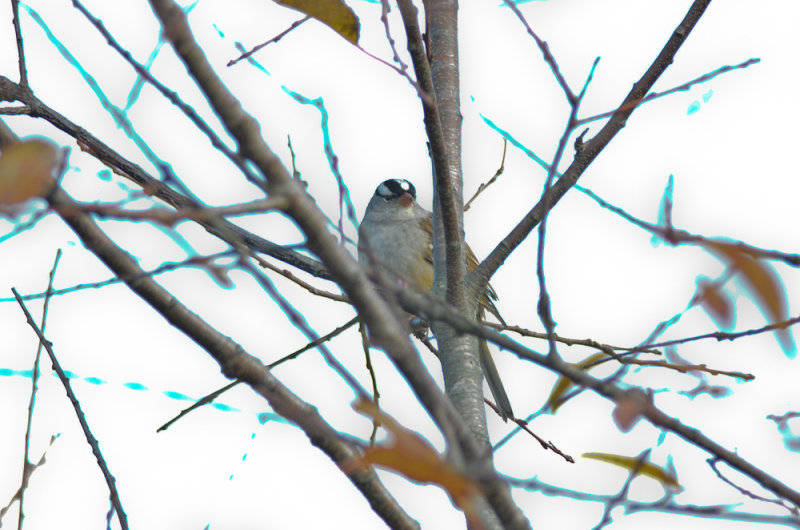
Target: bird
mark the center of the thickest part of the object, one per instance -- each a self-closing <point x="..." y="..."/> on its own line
<point x="397" y="234"/>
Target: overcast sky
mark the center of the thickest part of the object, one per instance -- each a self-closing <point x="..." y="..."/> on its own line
<point x="725" y="142"/>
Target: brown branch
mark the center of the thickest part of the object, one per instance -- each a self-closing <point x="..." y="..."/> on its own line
<point x="491" y="181"/>
<point x="547" y="445"/>
<point x="606" y="348"/>
<point x="109" y="478"/>
<point x="712" y="462"/>
<point x="433" y="309"/>
<point x="680" y="88"/>
<point x="169" y="217"/>
<point x="721" y="512"/>
<point x="31" y="468"/>
<point x="685" y="368"/>
<point x="209" y="398"/>
<point x="402" y="67"/>
<point x="611" y="351"/>
<point x="591" y="149"/>
<point x="546" y="53"/>
<point x="293" y="278"/>
<point x="221" y="228"/>
<point x="386" y="329"/>
<point x="676" y="236"/>
<point x="235" y="362"/>
<point x="274" y="39"/>
<point x="23" y="72"/>
<point x="171" y="96"/>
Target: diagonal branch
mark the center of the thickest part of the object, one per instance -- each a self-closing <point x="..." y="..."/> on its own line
<point x="10" y="91"/>
<point x="101" y="462"/>
<point x="588" y="151"/>
<point x="27" y="466"/>
<point x="433" y="309"/>
<point x="235" y="362"/>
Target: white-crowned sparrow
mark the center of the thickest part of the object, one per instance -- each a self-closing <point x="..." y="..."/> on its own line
<point x="399" y="233"/>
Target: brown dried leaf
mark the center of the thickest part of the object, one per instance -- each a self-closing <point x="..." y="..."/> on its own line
<point x="765" y="286"/>
<point x="411" y="455"/>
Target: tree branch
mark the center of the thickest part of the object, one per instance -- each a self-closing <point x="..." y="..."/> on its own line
<point x="235" y="362"/>
<point x="101" y="462"/>
<point x="590" y="150"/>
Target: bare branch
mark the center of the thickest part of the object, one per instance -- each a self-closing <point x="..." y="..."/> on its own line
<point x="109" y="478"/>
<point x="491" y="181"/>
<point x="92" y="145"/>
<point x="386" y="330"/>
<point x="23" y="72"/>
<point x="209" y="398"/>
<point x="432" y="309"/>
<point x="27" y="467"/>
<point x="276" y="38"/>
<point x="682" y="87"/>
<point x="591" y="149"/>
<point x="235" y="362"/>
<point x="546" y="53"/>
<point x="721" y="512"/>
<point x="171" y="96"/>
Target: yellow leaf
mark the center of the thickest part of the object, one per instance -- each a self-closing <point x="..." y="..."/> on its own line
<point x="555" y="400"/>
<point x="639" y="466"/>
<point x="26" y="170"/>
<point x="333" y="13"/>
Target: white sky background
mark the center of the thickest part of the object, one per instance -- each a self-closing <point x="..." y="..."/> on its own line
<point x="606" y="280"/>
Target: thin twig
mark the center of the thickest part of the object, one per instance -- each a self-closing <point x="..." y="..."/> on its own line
<point x="712" y="462"/>
<point x="434" y="309"/>
<point x="606" y="348"/>
<point x="376" y="395"/>
<point x="293" y="278"/>
<point x="720" y="512"/>
<point x="680" y="88"/>
<point x="23" y="71"/>
<point x="623" y="492"/>
<point x="299" y="321"/>
<point x="274" y="39"/>
<point x="546" y="444"/>
<point x="497" y="173"/>
<point x="592" y="148"/>
<point x="171" y="96"/>
<point x="402" y="67"/>
<point x="548" y="56"/>
<point x="26" y="464"/>
<point x="109" y="478"/>
<point x="31" y="468"/>
<point x="675" y="235"/>
<point x="205" y="400"/>
<point x="169" y="217"/>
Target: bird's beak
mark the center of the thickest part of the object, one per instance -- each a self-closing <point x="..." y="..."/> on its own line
<point x="405" y="200"/>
